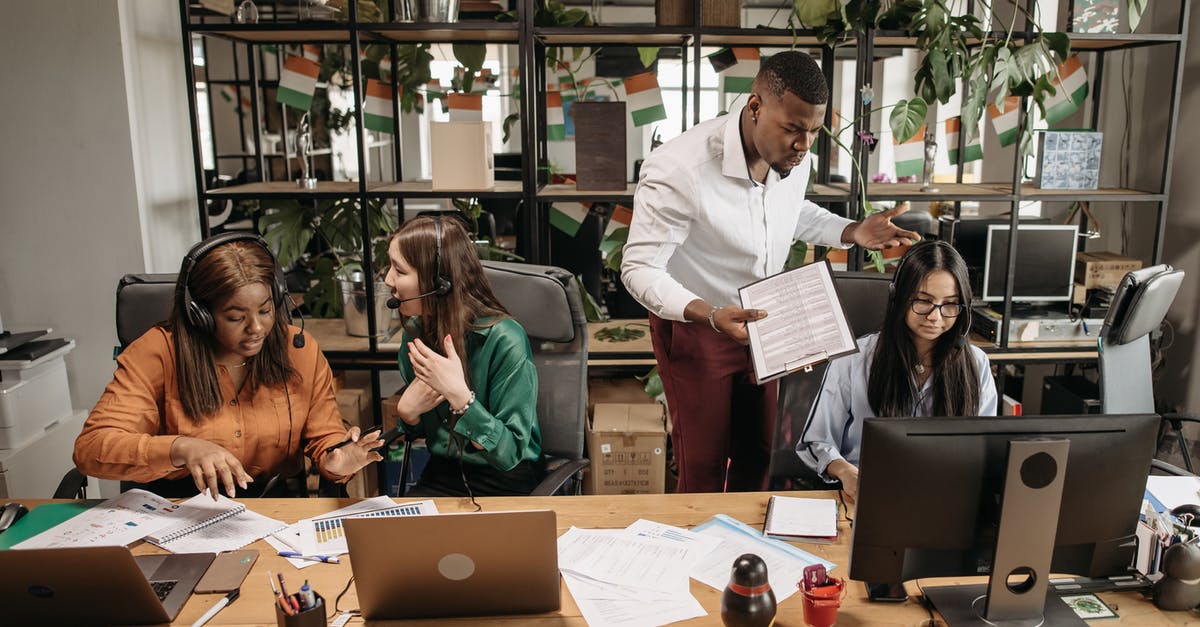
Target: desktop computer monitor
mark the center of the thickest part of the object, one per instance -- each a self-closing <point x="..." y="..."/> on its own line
<point x="934" y="502"/>
<point x="1045" y="268"/>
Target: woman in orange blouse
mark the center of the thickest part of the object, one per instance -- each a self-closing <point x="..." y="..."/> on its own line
<point x="225" y="393"/>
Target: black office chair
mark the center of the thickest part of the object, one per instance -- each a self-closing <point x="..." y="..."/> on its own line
<point x="1138" y="308"/>
<point x="544" y="300"/>
<point x="864" y="297"/>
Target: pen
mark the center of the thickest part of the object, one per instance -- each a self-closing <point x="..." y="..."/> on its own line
<point x="229" y="598"/>
<point x="287" y="600"/>
<point x="283" y="605"/>
<point x="328" y="559"/>
<point x="360" y="436"/>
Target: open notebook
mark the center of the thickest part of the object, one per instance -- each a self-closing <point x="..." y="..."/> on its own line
<point x="202" y="525"/>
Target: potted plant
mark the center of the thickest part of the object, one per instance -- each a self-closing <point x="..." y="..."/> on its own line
<point x="323" y="240"/>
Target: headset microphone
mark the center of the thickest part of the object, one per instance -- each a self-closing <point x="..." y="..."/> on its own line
<point x="298" y="338"/>
<point x="394" y="303"/>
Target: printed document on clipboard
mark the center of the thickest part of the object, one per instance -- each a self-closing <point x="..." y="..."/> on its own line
<point x="805" y="321"/>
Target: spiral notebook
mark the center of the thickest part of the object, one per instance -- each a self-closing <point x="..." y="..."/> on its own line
<point x="204" y="525"/>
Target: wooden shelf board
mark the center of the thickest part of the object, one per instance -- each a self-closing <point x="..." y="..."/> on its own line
<point x="282" y="33"/>
<point x="631" y="35"/>
<point x="759" y="37"/>
<point x="1111" y="194"/>
<point x="946" y="191"/>
<point x="551" y="193"/>
<point x="464" y="31"/>
<point x="288" y="188"/>
<point x="425" y="188"/>
<point x="630" y="349"/>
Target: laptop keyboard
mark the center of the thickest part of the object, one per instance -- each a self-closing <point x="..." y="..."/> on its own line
<point x="163" y="588"/>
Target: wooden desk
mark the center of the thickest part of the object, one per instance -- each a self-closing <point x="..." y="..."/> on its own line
<point x="684" y="510"/>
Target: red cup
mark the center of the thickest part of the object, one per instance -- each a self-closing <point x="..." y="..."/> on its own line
<point x="822" y="602"/>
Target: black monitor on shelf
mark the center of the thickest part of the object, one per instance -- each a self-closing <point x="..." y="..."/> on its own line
<point x="959" y="497"/>
<point x="1045" y="268"/>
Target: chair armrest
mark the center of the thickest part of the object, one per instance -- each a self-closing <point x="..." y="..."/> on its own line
<point x="1170" y="469"/>
<point x="555" y="479"/>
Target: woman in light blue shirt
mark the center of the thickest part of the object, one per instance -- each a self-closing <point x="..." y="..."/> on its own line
<point x="918" y="364"/>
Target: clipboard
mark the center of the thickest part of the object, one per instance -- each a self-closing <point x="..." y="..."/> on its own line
<point x="806" y="322"/>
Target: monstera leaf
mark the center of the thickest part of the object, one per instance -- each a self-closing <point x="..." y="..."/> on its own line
<point x="907" y="117"/>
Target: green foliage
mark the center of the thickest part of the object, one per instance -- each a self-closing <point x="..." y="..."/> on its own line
<point x="653" y="383"/>
<point x="796" y="255"/>
<point x="1136" y="9"/>
<point x="648" y="55"/>
<point x="619" y="334"/>
<point x="591" y="309"/>
<point x="291" y="227"/>
<point x="907" y="117"/>
<point x="410" y="70"/>
<point x="956" y="48"/>
<point x="612" y="261"/>
<point x="554" y="14"/>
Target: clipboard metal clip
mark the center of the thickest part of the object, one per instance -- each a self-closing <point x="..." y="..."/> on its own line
<point x="806" y="362"/>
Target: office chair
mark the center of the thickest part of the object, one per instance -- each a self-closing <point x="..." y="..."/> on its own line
<point x="864" y="297"/>
<point x="544" y="300"/>
<point x="1138" y="308"/>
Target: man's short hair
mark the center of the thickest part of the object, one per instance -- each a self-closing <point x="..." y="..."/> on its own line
<point x="796" y="72"/>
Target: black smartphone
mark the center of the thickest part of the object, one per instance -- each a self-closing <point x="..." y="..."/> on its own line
<point x="360" y="436"/>
<point x="887" y="592"/>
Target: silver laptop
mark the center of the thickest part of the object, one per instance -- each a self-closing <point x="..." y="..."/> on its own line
<point x="103" y="585"/>
<point x="455" y="564"/>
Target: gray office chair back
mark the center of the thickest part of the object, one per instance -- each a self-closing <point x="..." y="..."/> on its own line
<point x="1138" y="307"/>
<point x="143" y="300"/>
<point x="546" y="302"/>
<point x="864" y="296"/>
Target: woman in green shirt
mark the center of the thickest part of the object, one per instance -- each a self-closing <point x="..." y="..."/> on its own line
<point x="472" y="385"/>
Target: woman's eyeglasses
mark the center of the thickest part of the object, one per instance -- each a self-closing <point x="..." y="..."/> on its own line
<point x="923" y="307"/>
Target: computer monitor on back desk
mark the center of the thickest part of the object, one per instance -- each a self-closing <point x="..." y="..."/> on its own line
<point x="1014" y="497"/>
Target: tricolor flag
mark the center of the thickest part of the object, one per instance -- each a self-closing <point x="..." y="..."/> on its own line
<point x="566" y="86"/>
<point x="1071" y="84"/>
<point x="645" y="99"/>
<point x="1005" y="120"/>
<point x="568" y="216"/>
<point x="230" y="96"/>
<point x="556" y="126"/>
<point x="621" y="217"/>
<point x="465" y="107"/>
<point x="312" y="52"/>
<point x="910" y="154"/>
<point x="297" y="82"/>
<point x="739" y="78"/>
<point x="377" y="106"/>
<point x="972" y="149"/>
<point x="483" y="80"/>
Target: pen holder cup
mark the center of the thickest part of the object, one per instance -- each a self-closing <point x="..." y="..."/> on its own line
<point x="312" y="617"/>
<point x="822" y="602"/>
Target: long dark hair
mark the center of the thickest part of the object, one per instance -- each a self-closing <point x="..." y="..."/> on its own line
<point x="212" y="281"/>
<point x="470" y="303"/>
<point x="891" y="384"/>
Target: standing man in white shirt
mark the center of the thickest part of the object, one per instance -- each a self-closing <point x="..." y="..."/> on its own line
<point x="716" y="209"/>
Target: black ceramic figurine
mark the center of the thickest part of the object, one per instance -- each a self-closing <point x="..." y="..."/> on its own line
<point x="748" y="600"/>
<point x="1179" y="589"/>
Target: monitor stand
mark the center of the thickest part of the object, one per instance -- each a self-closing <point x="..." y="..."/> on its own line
<point x="1016" y="590"/>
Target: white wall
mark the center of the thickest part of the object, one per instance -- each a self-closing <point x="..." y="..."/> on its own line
<point x="92" y="181"/>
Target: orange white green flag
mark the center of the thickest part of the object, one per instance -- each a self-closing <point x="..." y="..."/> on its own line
<point x="621" y="218"/>
<point x="1071" y="85"/>
<point x="910" y="154"/>
<point x="377" y="106"/>
<point x="1005" y="120"/>
<point x="556" y="124"/>
<point x="645" y="99"/>
<point x="297" y="82"/>
<point x="312" y="52"/>
<point x="739" y="77"/>
<point x="568" y="216"/>
<point x="972" y="150"/>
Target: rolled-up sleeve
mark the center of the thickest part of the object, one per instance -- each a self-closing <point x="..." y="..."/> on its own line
<point x="323" y="426"/>
<point x="121" y="438"/>
<point x="824" y="434"/>
<point x="662" y="218"/>
<point x="506" y="424"/>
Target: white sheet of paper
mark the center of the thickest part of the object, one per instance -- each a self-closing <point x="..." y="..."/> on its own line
<point x="805" y="323"/>
<point x="698" y="545"/>
<point x="785" y="563"/>
<point x="280" y="545"/>
<point x="323" y="535"/>
<point x="797" y="516"/>
<point x="1174" y="491"/>
<point x="608" y="612"/>
<point x="617" y="556"/>
<point x="119" y="521"/>
<point x="228" y="535"/>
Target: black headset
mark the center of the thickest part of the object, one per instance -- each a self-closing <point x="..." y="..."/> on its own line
<point x="197" y="313"/>
<point x="959" y="341"/>
<point x="441" y="285"/>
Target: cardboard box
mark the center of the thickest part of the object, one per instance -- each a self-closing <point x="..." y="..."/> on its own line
<point x="627" y="446"/>
<point x="623" y="390"/>
<point x="355" y="408"/>
<point x="1103" y="269"/>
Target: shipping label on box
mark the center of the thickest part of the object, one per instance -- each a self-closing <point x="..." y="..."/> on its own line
<point x="627" y="447"/>
<point x="1103" y="269"/>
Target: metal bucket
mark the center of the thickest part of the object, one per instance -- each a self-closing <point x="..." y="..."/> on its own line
<point x="427" y="10"/>
<point x="354" y="306"/>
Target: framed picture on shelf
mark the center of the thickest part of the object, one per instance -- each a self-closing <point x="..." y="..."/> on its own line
<point x="1095" y="16"/>
<point x="1069" y="159"/>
